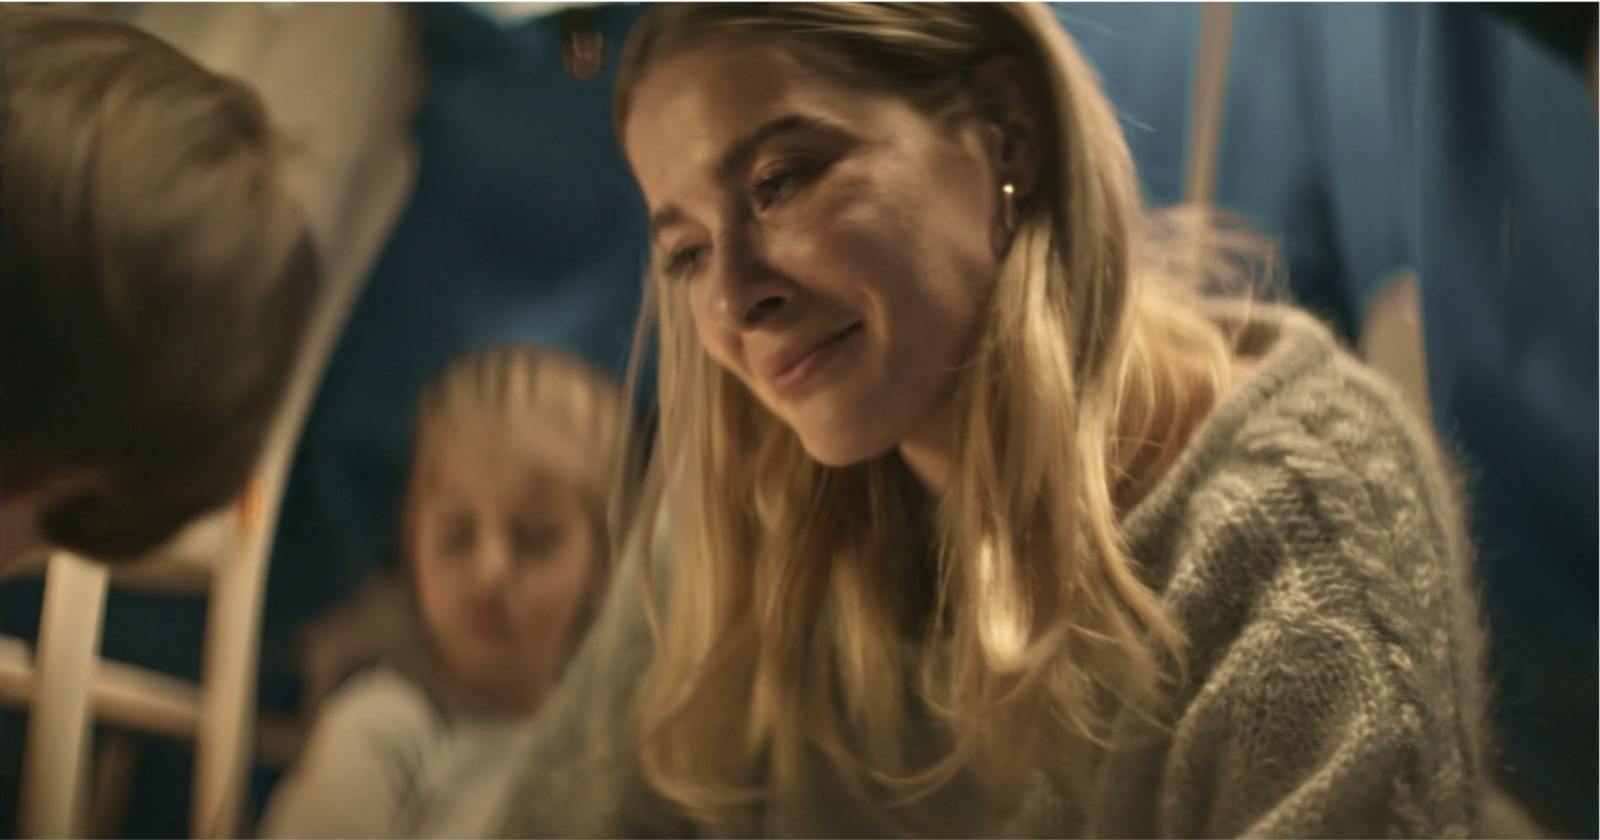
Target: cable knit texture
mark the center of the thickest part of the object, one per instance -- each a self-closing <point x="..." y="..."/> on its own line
<point x="1309" y="545"/>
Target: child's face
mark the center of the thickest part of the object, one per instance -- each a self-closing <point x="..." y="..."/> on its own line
<point x="504" y="551"/>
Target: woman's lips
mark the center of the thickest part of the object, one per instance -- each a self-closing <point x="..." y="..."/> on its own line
<point x="791" y="368"/>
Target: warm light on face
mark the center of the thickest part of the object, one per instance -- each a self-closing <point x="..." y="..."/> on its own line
<point x="834" y="245"/>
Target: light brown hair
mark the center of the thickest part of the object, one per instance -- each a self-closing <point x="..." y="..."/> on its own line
<point x="157" y="278"/>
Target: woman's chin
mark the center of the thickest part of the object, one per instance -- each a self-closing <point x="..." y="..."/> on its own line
<point x="842" y="450"/>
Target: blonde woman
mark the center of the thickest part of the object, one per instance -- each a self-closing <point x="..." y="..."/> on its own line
<point x="972" y="517"/>
<point x="504" y="546"/>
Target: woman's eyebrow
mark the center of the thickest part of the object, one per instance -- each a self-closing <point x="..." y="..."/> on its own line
<point x="739" y="153"/>
<point x="737" y="157"/>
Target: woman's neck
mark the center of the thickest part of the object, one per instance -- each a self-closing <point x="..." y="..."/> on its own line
<point x="930" y="464"/>
<point x="930" y="449"/>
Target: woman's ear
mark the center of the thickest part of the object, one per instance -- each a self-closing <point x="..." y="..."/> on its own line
<point x="1006" y="95"/>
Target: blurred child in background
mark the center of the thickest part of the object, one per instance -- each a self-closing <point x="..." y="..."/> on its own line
<point x="504" y="555"/>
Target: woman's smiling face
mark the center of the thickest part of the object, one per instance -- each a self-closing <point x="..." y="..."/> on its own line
<point x="836" y="244"/>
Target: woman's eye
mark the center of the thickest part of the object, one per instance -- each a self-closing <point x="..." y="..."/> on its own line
<point x="778" y="187"/>
<point x="684" y="262"/>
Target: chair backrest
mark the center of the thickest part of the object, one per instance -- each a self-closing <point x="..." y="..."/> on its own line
<point x="340" y="81"/>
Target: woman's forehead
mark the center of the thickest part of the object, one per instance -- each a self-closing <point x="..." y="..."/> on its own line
<point x="721" y="86"/>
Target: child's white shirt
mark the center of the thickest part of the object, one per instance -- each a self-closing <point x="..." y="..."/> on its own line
<point x="384" y="761"/>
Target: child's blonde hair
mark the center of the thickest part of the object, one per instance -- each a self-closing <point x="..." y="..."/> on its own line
<point x="552" y="393"/>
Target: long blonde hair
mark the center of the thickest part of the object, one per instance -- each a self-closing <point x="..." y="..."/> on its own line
<point x="813" y="608"/>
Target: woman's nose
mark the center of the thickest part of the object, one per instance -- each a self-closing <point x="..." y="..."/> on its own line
<point x="746" y="292"/>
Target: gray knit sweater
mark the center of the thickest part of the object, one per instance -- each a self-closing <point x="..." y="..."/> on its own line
<point x="1309" y="546"/>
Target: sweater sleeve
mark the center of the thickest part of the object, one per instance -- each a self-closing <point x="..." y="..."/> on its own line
<point x="1307" y="731"/>
<point x="1333" y="641"/>
<point x="357" y="773"/>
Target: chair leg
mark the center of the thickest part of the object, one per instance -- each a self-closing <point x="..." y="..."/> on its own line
<point x="224" y="744"/>
<point x="57" y="749"/>
<point x="115" y="758"/>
